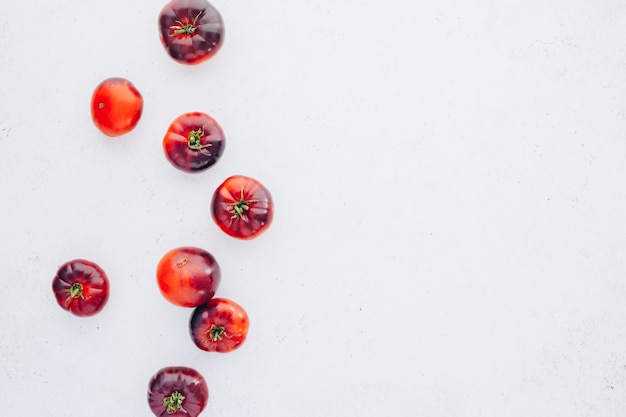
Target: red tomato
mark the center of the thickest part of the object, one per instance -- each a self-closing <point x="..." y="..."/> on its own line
<point x="116" y="106"/>
<point x="194" y="142"/>
<point x="188" y="276"/>
<point x="191" y="31"/>
<point x="242" y="207"/>
<point x="178" y="391"/>
<point x="81" y="287"/>
<point x="221" y="325"/>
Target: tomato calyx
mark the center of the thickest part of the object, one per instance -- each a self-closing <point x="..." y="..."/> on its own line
<point x="185" y="29"/>
<point x="75" y="291"/>
<point x="238" y="209"/>
<point x="216" y="333"/>
<point x="173" y="402"/>
<point x="194" y="141"/>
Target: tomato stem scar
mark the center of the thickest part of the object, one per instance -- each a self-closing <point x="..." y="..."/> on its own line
<point x="185" y="29"/>
<point x="75" y="291"/>
<point x="194" y="141"/>
<point x="173" y="402"/>
<point x="239" y="208"/>
<point x="217" y="333"/>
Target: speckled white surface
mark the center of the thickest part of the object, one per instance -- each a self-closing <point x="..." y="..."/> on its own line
<point x="449" y="236"/>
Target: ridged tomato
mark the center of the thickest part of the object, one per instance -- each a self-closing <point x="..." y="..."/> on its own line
<point x="242" y="207"/>
<point x="191" y="31"/>
<point x="194" y="142"/>
<point x="221" y="325"/>
<point x="177" y="391"/>
<point x="81" y="287"/>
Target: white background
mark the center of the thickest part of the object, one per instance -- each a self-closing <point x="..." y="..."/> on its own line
<point x="449" y="234"/>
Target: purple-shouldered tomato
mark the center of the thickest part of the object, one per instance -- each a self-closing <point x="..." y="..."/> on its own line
<point x="81" y="287"/>
<point x="177" y="391"/>
<point x="221" y="325"/>
<point x="242" y="207"/>
<point x="191" y="31"/>
<point x="194" y="142"/>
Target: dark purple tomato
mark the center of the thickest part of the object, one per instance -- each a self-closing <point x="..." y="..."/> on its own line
<point x="191" y="31"/>
<point x="177" y="391"/>
<point x="194" y="142"/>
<point x="242" y="207"/>
<point x="81" y="287"/>
<point x="221" y="325"/>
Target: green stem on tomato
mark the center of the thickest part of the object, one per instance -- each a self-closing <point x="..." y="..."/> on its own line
<point x="217" y="333"/>
<point x="75" y="291"/>
<point x="239" y="208"/>
<point x="187" y="29"/>
<point x="194" y="140"/>
<point x="173" y="402"/>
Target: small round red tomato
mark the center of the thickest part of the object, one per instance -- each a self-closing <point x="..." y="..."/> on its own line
<point x="221" y="325"/>
<point x="177" y="391"/>
<point x="116" y="106"/>
<point x="242" y="207"/>
<point x="81" y="287"/>
<point x="191" y="31"/>
<point x="193" y="142"/>
<point x="188" y="276"/>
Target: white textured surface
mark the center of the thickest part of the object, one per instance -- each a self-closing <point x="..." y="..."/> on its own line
<point x="449" y="235"/>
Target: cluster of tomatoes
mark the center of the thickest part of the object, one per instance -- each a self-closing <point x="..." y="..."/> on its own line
<point x="191" y="31"/>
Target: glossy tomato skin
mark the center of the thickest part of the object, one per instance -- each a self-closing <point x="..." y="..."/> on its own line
<point x="116" y="106"/>
<point x="194" y="142"/>
<point x="188" y="276"/>
<point x="221" y="325"/>
<point x="191" y="31"/>
<point x="177" y="391"/>
<point x="81" y="287"/>
<point x="242" y="207"/>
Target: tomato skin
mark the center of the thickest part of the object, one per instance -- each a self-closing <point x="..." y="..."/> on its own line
<point x="116" y="106"/>
<point x="81" y="287"/>
<point x="182" y="380"/>
<point x="242" y="207"/>
<point x="191" y="31"/>
<point x="188" y="276"/>
<point x="194" y="142"/>
<point x="221" y="325"/>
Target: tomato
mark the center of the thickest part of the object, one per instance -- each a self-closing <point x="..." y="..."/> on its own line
<point x="177" y="391"/>
<point x="81" y="287"/>
<point x="221" y="325"/>
<point x="188" y="276"/>
<point x="194" y="142"/>
<point x="116" y="106"/>
<point x="191" y="31"/>
<point x="242" y="207"/>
